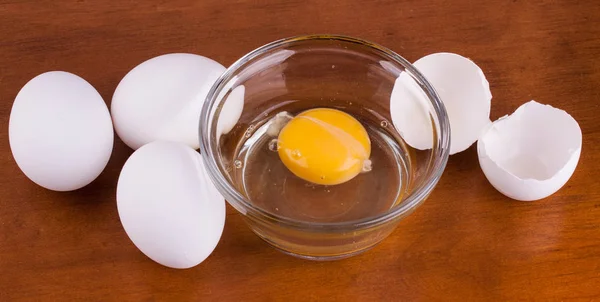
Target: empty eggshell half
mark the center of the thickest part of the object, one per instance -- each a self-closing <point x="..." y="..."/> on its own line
<point x="462" y="87"/>
<point x="168" y="205"/>
<point x="410" y="113"/>
<point x="161" y="99"/>
<point x="532" y="153"/>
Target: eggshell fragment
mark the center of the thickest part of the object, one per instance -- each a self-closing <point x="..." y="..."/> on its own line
<point x="168" y="206"/>
<point x="462" y="87"/>
<point x="410" y="113"/>
<point x="161" y="99"/>
<point x="60" y="131"/>
<point x="532" y="153"/>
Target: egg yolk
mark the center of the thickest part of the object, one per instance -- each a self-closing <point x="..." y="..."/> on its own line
<point x="324" y="146"/>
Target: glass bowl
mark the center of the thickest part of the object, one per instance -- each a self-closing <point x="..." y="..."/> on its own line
<point x="340" y="72"/>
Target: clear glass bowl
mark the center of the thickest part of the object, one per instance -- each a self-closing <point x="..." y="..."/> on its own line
<point x="321" y="68"/>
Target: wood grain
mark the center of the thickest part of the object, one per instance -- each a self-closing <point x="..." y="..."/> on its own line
<point x="466" y="243"/>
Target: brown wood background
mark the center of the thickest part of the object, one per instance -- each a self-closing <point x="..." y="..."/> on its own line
<point x="466" y="243"/>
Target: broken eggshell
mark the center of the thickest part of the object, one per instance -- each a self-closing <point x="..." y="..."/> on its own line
<point x="410" y="114"/>
<point x="532" y="153"/>
<point x="462" y="87"/>
<point x="526" y="156"/>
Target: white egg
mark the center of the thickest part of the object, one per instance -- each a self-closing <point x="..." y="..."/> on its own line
<point x="532" y="153"/>
<point x="60" y="131"/>
<point x="461" y="86"/>
<point x="161" y="99"/>
<point x="168" y="206"/>
<point x="231" y="111"/>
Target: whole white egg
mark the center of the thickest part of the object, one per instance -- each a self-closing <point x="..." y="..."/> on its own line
<point x="60" y="131"/>
<point x="168" y="206"/>
<point x="231" y="111"/>
<point x="161" y="99"/>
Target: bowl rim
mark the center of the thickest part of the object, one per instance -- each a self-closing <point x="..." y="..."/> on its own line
<point x="208" y="146"/>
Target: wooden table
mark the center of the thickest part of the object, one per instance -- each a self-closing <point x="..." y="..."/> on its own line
<point x="466" y="243"/>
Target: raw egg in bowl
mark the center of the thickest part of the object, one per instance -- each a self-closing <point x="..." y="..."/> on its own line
<point x="310" y="156"/>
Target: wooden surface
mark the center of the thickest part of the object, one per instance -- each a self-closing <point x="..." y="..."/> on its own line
<point x="466" y="243"/>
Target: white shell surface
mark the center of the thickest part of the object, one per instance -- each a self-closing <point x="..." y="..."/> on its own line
<point x="532" y="153"/>
<point x="462" y="87"/>
<point x="168" y="206"/>
<point x="231" y="111"/>
<point x="161" y="99"/>
<point x="60" y="131"/>
<point x="410" y="113"/>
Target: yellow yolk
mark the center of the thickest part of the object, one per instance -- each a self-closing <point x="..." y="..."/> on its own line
<point x="324" y="146"/>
